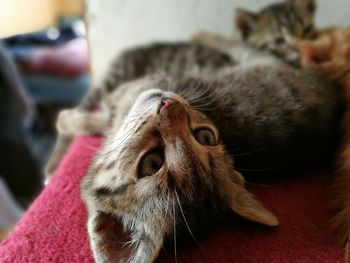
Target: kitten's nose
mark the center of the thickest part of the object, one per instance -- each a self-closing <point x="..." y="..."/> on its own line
<point x="171" y="111"/>
<point x="166" y="103"/>
<point x="173" y="119"/>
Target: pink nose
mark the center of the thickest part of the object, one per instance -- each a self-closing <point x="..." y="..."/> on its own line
<point x="166" y="103"/>
<point x="173" y="118"/>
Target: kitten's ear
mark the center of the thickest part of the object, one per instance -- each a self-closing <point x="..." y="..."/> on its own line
<point x="245" y="21"/>
<point x="110" y="242"/>
<point x="244" y="204"/>
<point x="308" y="6"/>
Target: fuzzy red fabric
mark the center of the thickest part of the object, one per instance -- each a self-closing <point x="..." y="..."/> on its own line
<point x="53" y="229"/>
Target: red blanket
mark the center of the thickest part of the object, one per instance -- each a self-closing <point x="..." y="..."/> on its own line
<point x="53" y="229"/>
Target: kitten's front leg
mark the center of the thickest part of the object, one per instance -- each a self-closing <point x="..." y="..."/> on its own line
<point x="111" y="243"/>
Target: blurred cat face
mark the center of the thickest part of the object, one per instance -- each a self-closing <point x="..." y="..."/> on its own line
<point x="276" y="27"/>
<point x="329" y="53"/>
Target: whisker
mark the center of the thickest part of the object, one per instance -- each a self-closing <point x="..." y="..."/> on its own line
<point x="188" y="226"/>
<point x="195" y="95"/>
<point x="184" y="218"/>
<point x="90" y="147"/>
<point x="207" y="109"/>
<point x="174" y="230"/>
<point x="255" y="184"/>
<point x="255" y="170"/>
<point x="234" y="150"/>
<point x="250" y="152"/>
<point x="209" y="100"/>
<point x="204" y="98"/>
<point x="166" y="210"/>
<point x="119" y="145"/>
<point x="200" y="98"/>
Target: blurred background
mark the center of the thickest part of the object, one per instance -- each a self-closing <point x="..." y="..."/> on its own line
<point x="44" y="67"/>
<point x="52" y="51"/>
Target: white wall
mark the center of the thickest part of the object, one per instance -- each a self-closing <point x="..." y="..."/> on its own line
<point x="116" y="24"/>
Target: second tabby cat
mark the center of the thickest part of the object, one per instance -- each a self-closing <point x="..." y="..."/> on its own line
<point x="277" y="26"/>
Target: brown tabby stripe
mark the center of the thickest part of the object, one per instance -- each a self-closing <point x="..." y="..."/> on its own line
<point x="103" y="191"/>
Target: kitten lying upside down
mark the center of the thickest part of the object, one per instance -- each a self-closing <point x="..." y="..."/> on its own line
<point x="164" y="170"/>
<point x="168" y="170"/>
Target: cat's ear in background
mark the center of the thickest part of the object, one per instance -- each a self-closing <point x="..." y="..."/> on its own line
<point x="244" y="204"/>
<point x="245" y="21"/>
<point x="305" y="6"/>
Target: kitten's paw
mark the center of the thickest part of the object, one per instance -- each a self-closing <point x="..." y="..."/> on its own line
<point x="77" y="122"/>
<point x="66" y="120"/>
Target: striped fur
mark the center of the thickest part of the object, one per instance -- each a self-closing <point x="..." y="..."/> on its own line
<point x="261" y="103"/>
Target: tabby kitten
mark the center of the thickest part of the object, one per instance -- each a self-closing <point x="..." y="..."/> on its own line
<point x="165" y="169"/>
<point x="277" y="26"/>
<point x="329" y="54"/>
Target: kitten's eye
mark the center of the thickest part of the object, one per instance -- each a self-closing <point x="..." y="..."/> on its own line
<point x="279" y="40"/>
<point x="151" y="163"/>
<point x="205" y="137"/>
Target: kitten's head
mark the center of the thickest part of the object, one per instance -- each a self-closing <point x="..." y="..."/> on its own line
<point x="165" y="170"/>
<point x="276" y="27"/>
<point x="329" y="54"/>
